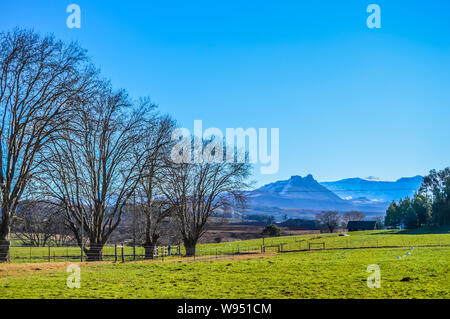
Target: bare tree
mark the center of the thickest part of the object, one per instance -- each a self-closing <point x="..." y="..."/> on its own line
<point x="40" y="80"/>
<point x="155" y="213"/>
<point x="35" y="223"/>
<point x="329" y="219"/>
<point x="197" y="190"/>
<point x="38" y="223"/>
<point x="157" y="143"/>
<point x="352" y="216"/>
<point x="92" y="170"/>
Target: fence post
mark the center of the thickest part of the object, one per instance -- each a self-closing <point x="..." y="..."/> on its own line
<point x="134" y="252"/>
<point x="123" y="258"/>
<point x="115" y="252"/>
<point x="48" y="253"/>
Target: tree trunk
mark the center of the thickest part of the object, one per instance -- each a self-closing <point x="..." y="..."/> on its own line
<point x="4" y="236"/>
<point x="151" y="241"/>
<point x="95" y="253"/>
<point x="4" y="250"/>
<point x="190" y="251"/>
<point x="190" y="247"/>
<point x="149" y="251"/>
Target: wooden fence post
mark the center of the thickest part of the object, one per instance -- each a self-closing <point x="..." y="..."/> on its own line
<point x="115" y="252"/>
<point x="48" y="253"/>
<point x="123" y="257"/>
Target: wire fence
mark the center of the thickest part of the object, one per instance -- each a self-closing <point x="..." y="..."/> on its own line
<point x="116" y="253"/>
<point x="127" y="253"/>
<point x="337" y="241"/>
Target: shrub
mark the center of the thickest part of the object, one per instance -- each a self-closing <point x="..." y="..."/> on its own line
<point x="272" y="231"/>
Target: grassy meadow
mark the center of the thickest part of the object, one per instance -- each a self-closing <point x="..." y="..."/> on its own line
<point x="422" y="273"/>
<point x="379" y="238"/>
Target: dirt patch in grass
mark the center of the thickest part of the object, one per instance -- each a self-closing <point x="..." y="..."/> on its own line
<point x="40" y="268"/>
<point x="27" y="268"/>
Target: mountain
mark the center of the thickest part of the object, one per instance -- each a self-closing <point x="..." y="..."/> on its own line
<point x="303" y="197"/>
<point x="373" y="189"/>
<point x="299" y="188"/>
<point x="296" y="197"/>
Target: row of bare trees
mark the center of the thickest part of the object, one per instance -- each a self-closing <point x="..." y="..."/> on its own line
<point x="332" y="219"/>
<point x="90" y="153"/>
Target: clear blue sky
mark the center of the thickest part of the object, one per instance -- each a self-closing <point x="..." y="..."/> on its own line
<point x="349" y="101"/>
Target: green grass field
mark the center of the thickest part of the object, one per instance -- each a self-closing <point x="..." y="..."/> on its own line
<point x="357" y="239"/>
<point x="425" y="273"/>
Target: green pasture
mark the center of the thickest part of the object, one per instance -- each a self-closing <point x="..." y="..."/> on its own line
<point x="424" y="273"/>
<point x="380" y="238"/>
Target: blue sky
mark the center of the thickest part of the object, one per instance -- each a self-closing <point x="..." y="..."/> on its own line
<point x="349" y="101"/>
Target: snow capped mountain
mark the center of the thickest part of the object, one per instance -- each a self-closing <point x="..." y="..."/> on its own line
<point x="375" y="190"/>
<point x="304" y="196"/>
<point x="303" y="193"/>
<point x="372" y="178"/>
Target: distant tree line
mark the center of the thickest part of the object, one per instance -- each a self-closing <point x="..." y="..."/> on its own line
<point x="77" y="154"/>
<point x="331" y="220"/>
<point x="430" y="206"/>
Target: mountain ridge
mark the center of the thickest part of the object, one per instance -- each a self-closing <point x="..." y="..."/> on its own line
<point x="299" y="196"/>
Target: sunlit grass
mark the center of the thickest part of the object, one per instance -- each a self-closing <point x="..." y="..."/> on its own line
<point x="381" y="238"/>
<point x="311" y="274"/>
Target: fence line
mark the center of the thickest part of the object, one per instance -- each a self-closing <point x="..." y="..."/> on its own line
<point x="126" y="253"/>
<point x="117" y="253"/>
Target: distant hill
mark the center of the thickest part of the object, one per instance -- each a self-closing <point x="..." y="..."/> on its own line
<point x="297" y="192"/>
<point x="303" y="197"/>
<point x="375" y="190"/>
